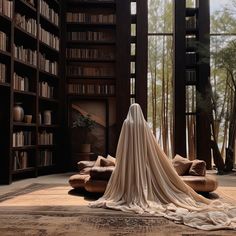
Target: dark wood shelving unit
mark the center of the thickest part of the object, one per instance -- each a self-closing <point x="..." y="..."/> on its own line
<point x="31" y="101"/>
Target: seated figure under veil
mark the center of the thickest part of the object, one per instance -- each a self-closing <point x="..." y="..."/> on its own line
<point x="145" y="182"/>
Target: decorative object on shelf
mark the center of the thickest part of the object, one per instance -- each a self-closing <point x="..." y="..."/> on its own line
<point x="28" y="118"/>
<point x="85" y="124"/>
<point x="18" y="112"/>
<point x="40" y="118"/>
<point x="47" y="117"/>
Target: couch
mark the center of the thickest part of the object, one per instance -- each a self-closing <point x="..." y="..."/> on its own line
<point x="93" y="176"/>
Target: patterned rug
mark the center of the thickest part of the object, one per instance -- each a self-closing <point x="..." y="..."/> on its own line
<point x="42" y="210"/>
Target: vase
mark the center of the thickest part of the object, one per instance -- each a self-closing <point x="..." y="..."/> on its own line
<point x="47" y="117"/>
<point x="18" y="112"/>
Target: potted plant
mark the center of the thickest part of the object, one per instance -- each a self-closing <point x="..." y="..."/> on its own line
<point x="84" y="124"/>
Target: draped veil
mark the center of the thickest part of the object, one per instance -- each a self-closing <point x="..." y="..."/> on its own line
<point x="144" y="181"/>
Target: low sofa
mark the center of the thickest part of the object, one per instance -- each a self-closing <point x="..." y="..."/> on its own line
<point x="93" y="176"/>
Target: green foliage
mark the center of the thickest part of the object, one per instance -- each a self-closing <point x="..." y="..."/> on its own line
<point x="84" y="122"/>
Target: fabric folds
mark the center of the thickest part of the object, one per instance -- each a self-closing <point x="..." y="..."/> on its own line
<point x="145" y="182"/>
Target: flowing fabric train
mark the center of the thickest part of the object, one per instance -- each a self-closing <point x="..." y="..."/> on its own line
<point x="144" y="181"/>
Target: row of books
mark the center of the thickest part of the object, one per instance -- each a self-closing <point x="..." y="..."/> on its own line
<point x="48" y="12"/>
<point x="6" y="7"/>
<point x="3" y="41"/>
<point x="25" y="54"/>
<point x="45" y="158"/>
<point x="89" y="71"/>
<point x="48" y="65"/>
<point x="20" y="83"/>
<point x="90" y="53"/>
<point x="22" y="138"/>
<point x="45" y="138"/>
<point x="45" y="90"/>
<point x="90" y="18"/>
<point x="191" y="22"/>
<point x="28" y="24"/>
<point x="92" y="89"/>
<point x="2" y="73"/>
<point x="191" y="58"/>
<point x="91" y="35"/>
<point x="190" y="76"/>
<point x="20" y="160"/>
<point x="49" y="38"/>
<point x="191" y="42"/>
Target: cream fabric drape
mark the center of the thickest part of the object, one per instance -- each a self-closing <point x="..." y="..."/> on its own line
<point x="144" y="181"/>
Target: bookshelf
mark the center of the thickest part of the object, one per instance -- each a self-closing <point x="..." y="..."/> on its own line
<point x="191" y="73"/>
<point x="30" y="75"/>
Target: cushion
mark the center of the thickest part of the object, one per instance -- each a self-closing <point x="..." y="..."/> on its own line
<point x="105" y="162"/>
<point x="85" y="164"/>
<point x="111" y="158"/>
<point x="96" y="186"/>
<point x="181" y="164"/>
<point x="198" y="168"/>
<point x="98" y="161"/>
<point x="78" y="181"/>
<point x="85" y="171"/>
<point x="101" y="173"/>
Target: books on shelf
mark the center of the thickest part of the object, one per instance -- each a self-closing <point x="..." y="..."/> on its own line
<point x="82" y="17"/>
<point x="90" y="71"/>
<point x="191" y="22"/>
<point x="25" y="54"/>
<point x="22" y="138"/>
<point x="3" y="41"/>
<point x="20" y="83"/>
<point x="20" y="160"/>
<point x="48" y="12"/>
<point x="48" y="65"/>
<point x="48" y="38"/>
<point x="45" y="138"/>
<point x="190" y="76"/>
<point x="91" y="89"/>
<point x="6" y="8"/>
<point x="45" y="158"/>
<point x="45" y="90"/>
<point x="91" y="35"/>
<point x="27" y="24"/>
<point x="2" y="73"/>
<point x="90" y="53"/>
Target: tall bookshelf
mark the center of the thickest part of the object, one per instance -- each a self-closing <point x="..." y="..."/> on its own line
<point x="191" y="74"/>
<point x="31" y="80"/>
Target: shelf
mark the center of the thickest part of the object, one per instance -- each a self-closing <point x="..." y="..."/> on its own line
<point x="5" y="53"/>
<point x="22" y="124"/>
<point x="47" y="74"/>
<point x="97" y="60"/>
<point x="191" y="31"/>
<point x="25" y="33"/>
<point x="5" y="18"/>
<point x="92" y="2"/>
<point x="46" y="46"/>
<point x="82" y="24"/>
<point x="73" y="95"/>
<point x="25" y="64"/>
<point x="27" y="93"/>
<point x="49" y="126"/>
<point x="91" y="42"/>
<point x="48" y="99"/>
<point x="27" y="5"/>
<point x="45" y="20"/>
<point x="79" y="77"/>
<point x="19" y="171"/>
<point x="7" y="85"/>
<point x="46" y="146"/>
<point x="24" y="147"/>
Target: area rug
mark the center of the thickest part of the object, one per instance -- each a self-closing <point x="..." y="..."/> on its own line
<point x="42" y="210"/>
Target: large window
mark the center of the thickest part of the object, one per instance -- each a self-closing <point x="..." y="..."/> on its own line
<point x="160" y="56"/>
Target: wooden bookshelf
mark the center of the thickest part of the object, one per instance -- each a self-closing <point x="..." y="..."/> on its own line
<point x="21" y="84"/>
